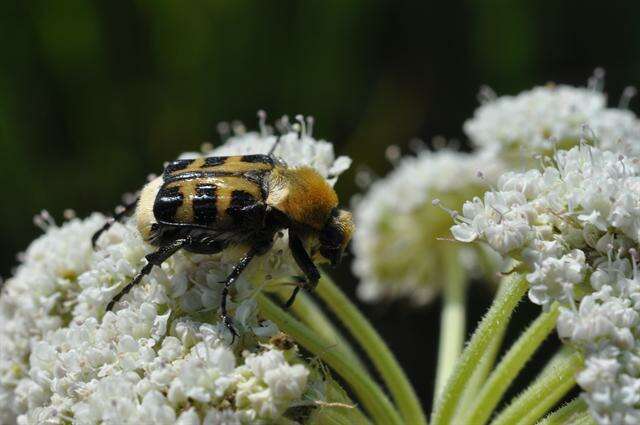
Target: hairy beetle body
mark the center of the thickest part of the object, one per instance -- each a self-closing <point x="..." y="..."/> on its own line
<point x="205" y="205"/>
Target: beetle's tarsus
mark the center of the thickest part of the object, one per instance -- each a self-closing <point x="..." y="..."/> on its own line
<point x="228" y="323"/>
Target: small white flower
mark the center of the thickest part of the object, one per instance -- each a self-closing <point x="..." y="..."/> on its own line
<point x="396" y="223"/>
<point x="502" y="220"/>
<point x="553" y="279"/>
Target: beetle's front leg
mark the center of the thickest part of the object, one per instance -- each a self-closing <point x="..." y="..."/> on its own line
<point x="306" y="265"/>
<point x="155" y="259"/>
<point x="126" y="210"/>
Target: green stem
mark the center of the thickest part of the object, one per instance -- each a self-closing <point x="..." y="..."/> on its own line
<point x="311" y="315"/>
<point x="375" y="347"/>
<point x="542" y="394"/>
<point x="494" y="322"/>
<point x="583" y="418"/>
<point x="479" y="376"/>
<point x="339" y="409"/>
<point x="510" y="365"/>
<point x="452" y="320"/>
<point x="367" y="391"/>
<point x="571" y="412"/>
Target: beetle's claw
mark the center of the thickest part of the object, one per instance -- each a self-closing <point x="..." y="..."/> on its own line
<point x="228" y="323"/>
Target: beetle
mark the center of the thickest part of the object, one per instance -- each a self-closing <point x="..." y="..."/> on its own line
<point x="208" y="204"/>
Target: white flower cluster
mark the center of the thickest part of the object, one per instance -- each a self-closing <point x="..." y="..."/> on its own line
<point x="397" y="224"/>
<point x="38" y="300"/>
<point x="161" y="356"/>
<point x="552" y="117"/>
<point x="576" y="225"/>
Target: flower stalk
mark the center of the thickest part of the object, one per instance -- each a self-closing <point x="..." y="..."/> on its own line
<point x="491" y="325"/>
<point x="368" y="392"/>
<point x="575" y="412"/>
<point x="479" y="377"/>
<point x="452" y="319"/>
<point x="382" y="358"/>
<point x="511" y="364"/>
<point x="543" y="393"/>
<point x="309" y="313"/>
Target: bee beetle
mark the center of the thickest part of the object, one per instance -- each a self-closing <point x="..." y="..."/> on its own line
<point x="207" y="204"/>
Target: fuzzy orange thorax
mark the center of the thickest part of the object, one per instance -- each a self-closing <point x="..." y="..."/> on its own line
<point x="302" y="194"/>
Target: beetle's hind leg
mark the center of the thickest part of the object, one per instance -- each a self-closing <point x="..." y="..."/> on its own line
<point x="126" y="210"/>
<point x="153" y="259"/>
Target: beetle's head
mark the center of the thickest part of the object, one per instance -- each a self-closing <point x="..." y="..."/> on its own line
<point x="335" y="236"/>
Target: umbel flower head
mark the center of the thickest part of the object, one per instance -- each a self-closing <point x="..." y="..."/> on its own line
<point x="552" y="117"/>
<point x="162" y="355"/>
<point x="575" y="224"/>
<point x="396" y="244"/>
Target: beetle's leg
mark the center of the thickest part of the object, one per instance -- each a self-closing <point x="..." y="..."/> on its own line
<point x="233" y="276"/>
<point x="300" y="283"/>
<point x="153" y="259"/>
<point x="306" y="265"/>
<point x="126" y="210"/>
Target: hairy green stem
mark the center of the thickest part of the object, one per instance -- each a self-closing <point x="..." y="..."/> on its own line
<point x="368" y="392"/>
<point x="570" y="413"/>
<point x="452" y="319"/>
<point x="510" y="365"/>
<point x="375" y="347"/>
<point x="309" y="313"/>
<point x="478" y="378"/>
<point x="543" y="393"/>
<point x="583" y="418"/>
<point x="480" y="374"/>
<point x="338" y="409"/>
<point x="493" y="322"/>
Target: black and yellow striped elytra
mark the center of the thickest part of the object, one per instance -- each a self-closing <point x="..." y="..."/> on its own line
<point x="218" y="192"/>
<point x="205" y="205"/>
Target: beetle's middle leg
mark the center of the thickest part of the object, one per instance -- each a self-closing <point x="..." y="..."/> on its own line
<point x="233" y="276"/>
<point x="153" y="259"/>
<point x="127" y="209"/>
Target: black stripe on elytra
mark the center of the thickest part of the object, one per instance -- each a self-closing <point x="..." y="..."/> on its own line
<point x="177" y="165"/>
<point x="212" y="161"/>
<point x="192" y="175"/>
<point x="245" y="209"/>
<point x="261" y="159"/>
<point x="205" y="209"/>
<point x="168" y="200"/>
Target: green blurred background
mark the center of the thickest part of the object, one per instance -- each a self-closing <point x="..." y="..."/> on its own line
<point x="94" y="95"/>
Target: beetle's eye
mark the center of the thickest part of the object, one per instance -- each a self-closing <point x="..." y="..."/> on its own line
<point x="331" y="236"/>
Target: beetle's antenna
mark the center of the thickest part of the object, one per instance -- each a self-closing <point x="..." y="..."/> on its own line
<point x="275" y="145"/>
